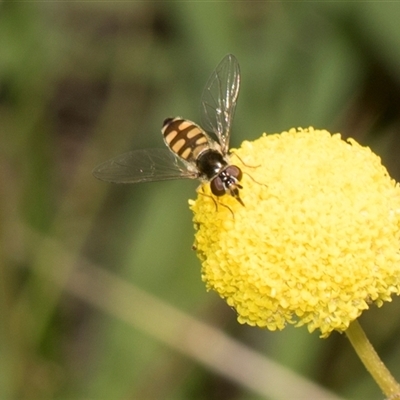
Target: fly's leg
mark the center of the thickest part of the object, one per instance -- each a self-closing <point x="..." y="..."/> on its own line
<point x="216" y="202"/>
<point x="240" y="159"/>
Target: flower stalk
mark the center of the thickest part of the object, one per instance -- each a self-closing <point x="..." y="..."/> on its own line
<point x="374" y="365"/>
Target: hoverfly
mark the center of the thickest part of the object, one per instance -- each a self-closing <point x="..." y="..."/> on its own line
<point x="191" y="152"/>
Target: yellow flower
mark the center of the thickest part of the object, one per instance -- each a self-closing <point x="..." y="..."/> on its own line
<point x="318" y="239"/>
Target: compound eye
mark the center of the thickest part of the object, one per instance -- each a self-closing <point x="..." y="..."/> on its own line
<point x="234" y="171"/>
<point x="217" y="186"/>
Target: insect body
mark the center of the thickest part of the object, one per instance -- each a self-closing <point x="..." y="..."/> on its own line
<point x="192" y="144"/>
<point x="191" y="152"/>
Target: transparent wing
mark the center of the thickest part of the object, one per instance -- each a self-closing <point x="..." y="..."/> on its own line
<point x="144" y="166"/>
<point x="219" y="99"/>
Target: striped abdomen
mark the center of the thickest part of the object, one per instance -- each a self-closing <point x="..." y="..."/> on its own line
<point x="184" y="138"/>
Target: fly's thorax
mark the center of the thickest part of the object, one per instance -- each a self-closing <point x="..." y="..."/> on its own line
<point x="210" y="163"/>
<point x="184" y="138"/>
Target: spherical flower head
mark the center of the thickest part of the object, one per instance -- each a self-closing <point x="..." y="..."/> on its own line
<point x="318" y="238"/>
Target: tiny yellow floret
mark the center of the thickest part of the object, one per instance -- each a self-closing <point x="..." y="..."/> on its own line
<point x="317" y="241"/>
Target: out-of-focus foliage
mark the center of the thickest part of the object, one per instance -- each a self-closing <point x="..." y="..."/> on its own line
<point x="81" y="82"/>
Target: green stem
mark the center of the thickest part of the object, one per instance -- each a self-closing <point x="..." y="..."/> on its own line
<point x="372" y="362"/>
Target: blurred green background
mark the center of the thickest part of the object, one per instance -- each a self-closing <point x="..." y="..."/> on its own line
<point x="101" y="294"/>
